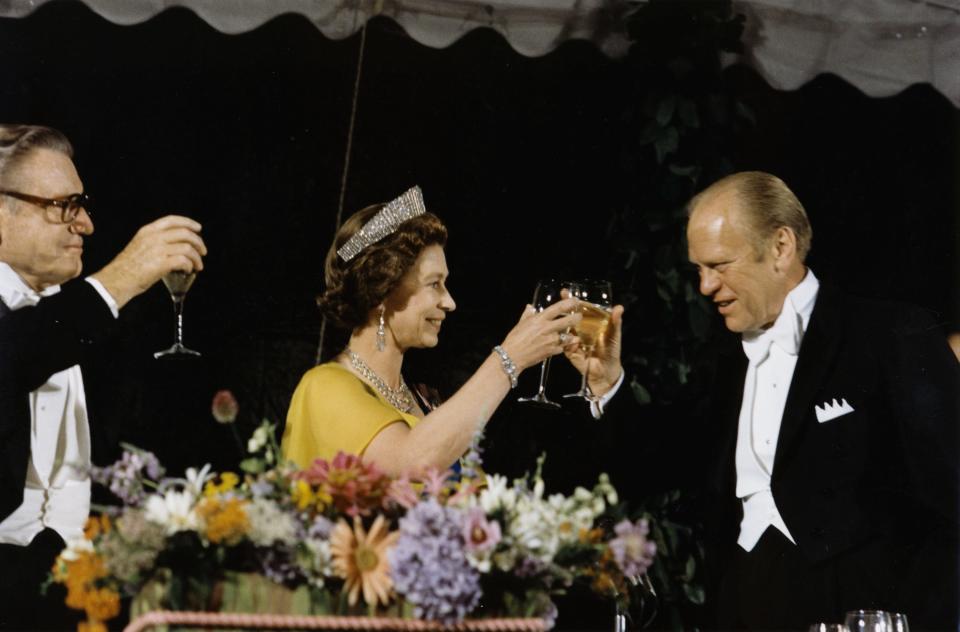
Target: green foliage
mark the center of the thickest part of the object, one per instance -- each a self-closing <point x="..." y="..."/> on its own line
<point x="678" y="133"/>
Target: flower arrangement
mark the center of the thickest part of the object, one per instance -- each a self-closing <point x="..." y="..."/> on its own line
<point x="433" y="546"/>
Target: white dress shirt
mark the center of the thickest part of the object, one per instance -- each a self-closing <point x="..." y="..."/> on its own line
<point x="57" y="489"/>
<point x="772" y="356"/>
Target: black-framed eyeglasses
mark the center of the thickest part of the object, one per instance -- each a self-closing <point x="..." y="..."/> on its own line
<point x="69" y="206"/>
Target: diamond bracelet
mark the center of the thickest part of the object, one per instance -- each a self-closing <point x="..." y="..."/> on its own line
<point x="508" y="366"/>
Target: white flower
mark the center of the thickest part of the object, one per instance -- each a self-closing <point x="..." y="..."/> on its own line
<point x="75" y="547"/>
<point x="197" y="479"/>
<point x="319" y="561"/>
<point x="535" y="528"/>
<point x="269" y="524"/>
<point x="505" y="560"/>
<point x="259" y="438"/>
<point x="497" y="495"/>
<point x="174" y="511"/>
<point x="576" y="513"/>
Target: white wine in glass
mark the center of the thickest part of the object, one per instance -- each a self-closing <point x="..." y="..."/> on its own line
<point x="595" y="305"/>
<point x="178" y="284"/>
<point x="593" y="325"/>
<point x="869" y="621"/>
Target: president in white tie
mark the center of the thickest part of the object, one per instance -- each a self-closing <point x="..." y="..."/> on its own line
<point x="835" y="432"/>
<point x="47" y="326"/>
<point x="826" y="455"/>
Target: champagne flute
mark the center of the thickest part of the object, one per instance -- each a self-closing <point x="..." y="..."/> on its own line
<point x="178" y="284"/>
<point x="869" y="621"/>
<point x="546" y="294"/>
<point x="595" y="303"/>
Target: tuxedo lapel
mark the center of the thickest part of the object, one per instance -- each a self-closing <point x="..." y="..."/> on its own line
<point x="814" y="362"/>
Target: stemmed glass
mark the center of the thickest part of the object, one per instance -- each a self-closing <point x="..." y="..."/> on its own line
<point x="595" y="304"/>
<point x="869" y="621"/>
<point x="178" y="284"/>
<point x="546" y="294"/>
<point x="828" y="627"/>
<point x="899" y="622"/>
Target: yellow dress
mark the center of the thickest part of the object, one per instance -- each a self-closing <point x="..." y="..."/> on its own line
<point x="333" y="410"/>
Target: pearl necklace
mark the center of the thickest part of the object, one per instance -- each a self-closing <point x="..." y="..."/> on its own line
<point x="400" y="398"/>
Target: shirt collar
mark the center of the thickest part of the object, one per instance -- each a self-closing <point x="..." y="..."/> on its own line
<point x="787" y="331"/>
<point x="14" y="291"/>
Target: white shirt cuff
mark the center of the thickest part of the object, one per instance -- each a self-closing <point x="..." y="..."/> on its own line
<point x="102" y="291"/>
<point x="596" y="408"/>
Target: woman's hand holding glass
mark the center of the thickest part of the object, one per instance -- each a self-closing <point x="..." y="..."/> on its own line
<point x="539" y="335"/>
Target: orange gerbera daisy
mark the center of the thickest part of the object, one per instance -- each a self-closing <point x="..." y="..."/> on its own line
<point x="361" y="559"/>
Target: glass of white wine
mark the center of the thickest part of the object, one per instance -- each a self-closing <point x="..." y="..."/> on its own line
<point x="178" y="284"/>
<point x="546" y="294"/>
<point x="595" y="303"/>
<point x="869" y="621"/>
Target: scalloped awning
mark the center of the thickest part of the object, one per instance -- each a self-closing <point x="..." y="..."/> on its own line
<point x="880" y="46"/>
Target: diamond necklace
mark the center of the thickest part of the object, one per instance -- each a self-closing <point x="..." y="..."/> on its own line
<point x="400" y="398"/>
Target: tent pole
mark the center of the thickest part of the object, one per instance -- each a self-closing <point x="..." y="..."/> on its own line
<point x="346" y="164"/>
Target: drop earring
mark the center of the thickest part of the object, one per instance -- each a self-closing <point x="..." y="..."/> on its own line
<point x="381" y="331"/>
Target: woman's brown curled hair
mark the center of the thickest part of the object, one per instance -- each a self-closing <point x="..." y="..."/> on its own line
<point x="359" y="285"/>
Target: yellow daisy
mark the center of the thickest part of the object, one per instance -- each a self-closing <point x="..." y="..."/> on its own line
<point x="360" y="558"/>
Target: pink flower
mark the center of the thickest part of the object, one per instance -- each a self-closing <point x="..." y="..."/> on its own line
<point x="479" y="534"/>
<point x="355" y="488"/>
<point x="631" y="550"/>
<point x="402" y="492"/>
<point x="225" y="407"/>
<point x="435" y="481"/>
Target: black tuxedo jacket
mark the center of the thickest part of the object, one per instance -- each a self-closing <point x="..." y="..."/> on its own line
<point x="876" y="489"/>
<point x="35" y="343"/>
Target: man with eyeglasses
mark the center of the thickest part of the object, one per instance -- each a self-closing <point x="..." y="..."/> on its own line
<point x="48" y="324"/>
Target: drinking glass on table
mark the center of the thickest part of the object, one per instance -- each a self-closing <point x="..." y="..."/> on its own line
<point x="869" y="621"/>
<point x="546" y="294"/>
<point x="899" y="622"/>
<point x="178" y="284"/>
<point x="595" y="305"/>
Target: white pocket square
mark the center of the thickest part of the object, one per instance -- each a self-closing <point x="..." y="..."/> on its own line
<point x="832" y="410"/>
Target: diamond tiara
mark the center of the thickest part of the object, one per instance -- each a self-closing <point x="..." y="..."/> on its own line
<point x="395" y="212"/>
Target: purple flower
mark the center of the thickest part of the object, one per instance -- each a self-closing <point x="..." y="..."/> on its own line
<point x="471" y="464"/>
<point x="632" y="551"/>
<point x="125" y="478"/>
<point x="261" y="488"/>
<point x="278" y="565"/>
<point x="529" y="567"/>
<point x="320" y="528"/>
<point x="429" y="566"/>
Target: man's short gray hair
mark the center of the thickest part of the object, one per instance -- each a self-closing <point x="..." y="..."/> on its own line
<point x="768" y="204"/>
<point x="17" y="141"/>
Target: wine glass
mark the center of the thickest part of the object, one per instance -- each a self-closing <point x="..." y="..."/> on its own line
<point x="899" y="622"/>
<point x="869" y="621"/>
<point x="546" y="294"/>
<point x="595" y="302"/>
<point x="828" y="627"/>
<point x="178" y="284"/>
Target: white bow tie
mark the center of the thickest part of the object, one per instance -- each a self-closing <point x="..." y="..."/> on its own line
<point x="786" y="333"/>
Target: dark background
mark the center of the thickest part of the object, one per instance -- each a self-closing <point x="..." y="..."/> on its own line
<point x="522" y="157"/>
